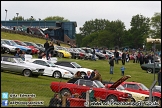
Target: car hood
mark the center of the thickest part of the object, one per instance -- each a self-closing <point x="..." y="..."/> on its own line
<point x="118" y="82"/>
<point x="28" y="64"/>
<point x="63" y="51"/>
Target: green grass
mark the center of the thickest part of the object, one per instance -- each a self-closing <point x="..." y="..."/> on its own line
<point x="15" y="83"/>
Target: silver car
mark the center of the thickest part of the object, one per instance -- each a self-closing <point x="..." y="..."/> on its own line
<point x="16" y="64"/>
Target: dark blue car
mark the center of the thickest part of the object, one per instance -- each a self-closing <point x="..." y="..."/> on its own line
<point x="22" y="48"/>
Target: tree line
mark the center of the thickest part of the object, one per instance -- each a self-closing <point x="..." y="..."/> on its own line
<point x="111" y="34"/>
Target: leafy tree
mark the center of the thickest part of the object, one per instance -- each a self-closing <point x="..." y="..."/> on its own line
<point x="79" y="38"/>
<point x="19" y="18"/>
<point x="55" y="18"/>
<point x="88" y="40"/>
<point x="139" y="30"/>
<point x="155" y="31"/>
<point x="116" y="28"/>
<point x="93" y="26"/>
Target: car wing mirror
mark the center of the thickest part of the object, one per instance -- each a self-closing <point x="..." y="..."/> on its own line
<point x="48" y="65"/>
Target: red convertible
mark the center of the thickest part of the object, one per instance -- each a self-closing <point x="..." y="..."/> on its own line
<point x="81" y="86"/>
<point x="140" y="88"/>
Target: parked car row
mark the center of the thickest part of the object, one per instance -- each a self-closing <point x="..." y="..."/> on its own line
<point x="53" y="68"/>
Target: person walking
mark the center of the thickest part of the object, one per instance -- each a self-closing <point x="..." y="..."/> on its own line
<point x="159" y="78"/>
<point x="111" y="62"/>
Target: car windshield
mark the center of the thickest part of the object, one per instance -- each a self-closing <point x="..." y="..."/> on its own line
<point x="20" y="43"/>
<point x="120" y="87"/>
<point x="51" y="64"/>
<point x="7" y="42"/>
<point x="13" y="43"/>
<point x="76" y="65"/>
<point x="19" y="60"/>
<point x="99" y="84"/>
<point x="2" y="42"/>
<point x="143" y="87"/>
<point x="35" y="45"/>
<point x="158" y="88"/>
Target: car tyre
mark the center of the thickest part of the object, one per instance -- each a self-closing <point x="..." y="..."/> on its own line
<point x="7" y="51"/>
<point x="111" y="98"/>
<point x="149" y="70"/>
<point x="57" y="74"/>
<point x="133" y="100"/>
<point x="27" y="73"/>
<point x="60" y="55"/>
<point x="82" y="74"/>
<point x="65" y="91"/>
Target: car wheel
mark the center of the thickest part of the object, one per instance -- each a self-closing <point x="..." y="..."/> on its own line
<point x="57" y="74"/>
<point x="111" y="98"/>
<point x="63" y="91"/>
<point x="60" y="55"/>
<point x="7" y="51"/>
<point x="83" y="74"/>
<point x="149" y="70"/>
<point x="133" y="100"/>
<point x="27" y="73"/>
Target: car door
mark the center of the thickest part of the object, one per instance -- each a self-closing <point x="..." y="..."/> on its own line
<point x="68" y="66"/>
<point x="9" y="64"/>
<point x="83" y="86"/>
<point x="47" y="70"/>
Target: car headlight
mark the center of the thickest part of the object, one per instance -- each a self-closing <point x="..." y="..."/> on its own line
<point x="12" y="48"/>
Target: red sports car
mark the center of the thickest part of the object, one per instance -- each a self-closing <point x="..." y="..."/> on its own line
<point x="81" y="86"/>
<point x="34" y="50"/>
<point x="140" y="88"/>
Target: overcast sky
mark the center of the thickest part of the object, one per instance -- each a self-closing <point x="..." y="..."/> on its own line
<point x="81" y="11"/>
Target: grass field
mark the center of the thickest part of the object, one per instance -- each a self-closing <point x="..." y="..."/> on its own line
<point x="15" y="83"/>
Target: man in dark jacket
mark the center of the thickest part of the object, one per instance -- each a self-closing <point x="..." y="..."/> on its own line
<point x="111" y="62"/>
<point x="88" y="76"/>
<point x="46" y="45"/>
<point x="116" y="55"/>
<point x="123" y="58"/>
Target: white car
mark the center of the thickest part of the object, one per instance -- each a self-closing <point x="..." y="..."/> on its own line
<point x="73" y="67"/>
<point x="10" y="49"/>
<point x="51" y="69"/>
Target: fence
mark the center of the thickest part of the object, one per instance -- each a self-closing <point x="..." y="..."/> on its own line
<point x="38" y="94"/>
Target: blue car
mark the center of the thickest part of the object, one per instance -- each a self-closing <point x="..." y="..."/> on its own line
<point x="22" y="48"/>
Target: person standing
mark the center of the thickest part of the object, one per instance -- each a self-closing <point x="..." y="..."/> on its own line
<point x="116" y="55"/>
<point x="93" y="54"/>
<point x="55" y="101"/>
<point x="159" y="78"/>
<point x="46" y="46"/>
<point x="111" y="62"/>
<point x="122" y="70"/>
<point x="123" y="58"/>
<point x="88" y="76"/>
